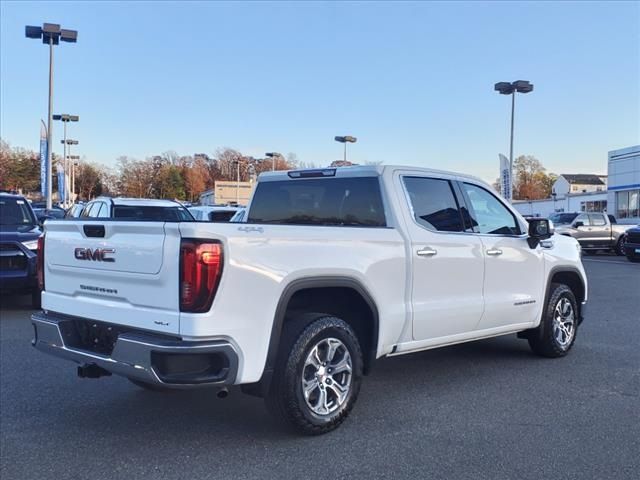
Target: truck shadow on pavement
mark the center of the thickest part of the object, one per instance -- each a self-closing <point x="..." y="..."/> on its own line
<point x="431" y="376"/>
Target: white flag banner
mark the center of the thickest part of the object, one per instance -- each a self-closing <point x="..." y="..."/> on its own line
<point x="505" y="177"/>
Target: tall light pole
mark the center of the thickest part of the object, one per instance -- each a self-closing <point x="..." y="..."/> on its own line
<point x="237" y="163"/>
<point x="510" y="88"/>
<point x="51" y="34"/>
<point x="74" y="164"/>
<point x="65" y="118"/>
<point x="273" y="156"/>
<point x="67" y="164"/>
<point x="346" y="139"/>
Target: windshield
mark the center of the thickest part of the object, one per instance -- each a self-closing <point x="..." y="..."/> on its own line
<point x="15" y="211"/>
<point x="563" y="218"/>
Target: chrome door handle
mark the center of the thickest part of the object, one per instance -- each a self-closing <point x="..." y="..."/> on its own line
<point x="494" y="251"/>
<point x="427" y="252"/>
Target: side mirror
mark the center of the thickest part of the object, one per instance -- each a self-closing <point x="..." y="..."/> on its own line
<point x="539" y="229"/>
<point x="578" y="224"/>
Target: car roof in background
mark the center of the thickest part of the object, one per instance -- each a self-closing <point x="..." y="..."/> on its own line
<point x="141" y="202"/>
<point x="12" y="195"/>
<point x="215" y="208"/>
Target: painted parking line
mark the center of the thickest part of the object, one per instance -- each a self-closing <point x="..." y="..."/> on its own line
<point x="606" y="261"/>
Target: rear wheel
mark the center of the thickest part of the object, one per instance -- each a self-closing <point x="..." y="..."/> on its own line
<point x="556" y="333"/>
<point x="317" y="378"/>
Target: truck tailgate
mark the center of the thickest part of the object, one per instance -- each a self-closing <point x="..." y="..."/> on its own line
<point x="119" y="272"/>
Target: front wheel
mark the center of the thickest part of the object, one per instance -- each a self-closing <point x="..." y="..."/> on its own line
<point x="633" y="259"/>
<point x="317" y="378"/>
<point x="556" y="333"/>
<point x="620" y="247"/>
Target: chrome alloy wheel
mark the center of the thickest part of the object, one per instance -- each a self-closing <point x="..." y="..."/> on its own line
<point x="326" y="376"/>
<point x="564" y="323"/>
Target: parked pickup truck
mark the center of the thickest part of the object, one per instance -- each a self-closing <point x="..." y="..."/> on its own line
<point x="594" y="231"/>
<point x="332" y="269"/>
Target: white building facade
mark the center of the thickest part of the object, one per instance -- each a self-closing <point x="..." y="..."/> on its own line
<point x="583" y="193"/>
<point x="579" y="202"/>
<point x="624" y="184"/>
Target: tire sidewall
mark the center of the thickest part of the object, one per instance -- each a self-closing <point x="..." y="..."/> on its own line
<point x="557" y="294"/>
<point x="327" y="327"/>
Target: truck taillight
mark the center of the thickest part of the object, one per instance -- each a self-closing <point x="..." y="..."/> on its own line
<point x="40" y="263"/>
<point x="200" y="271"/>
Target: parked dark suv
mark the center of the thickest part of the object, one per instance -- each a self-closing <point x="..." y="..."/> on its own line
<point x="632" y="244"/>
<point x="19" y="232"/>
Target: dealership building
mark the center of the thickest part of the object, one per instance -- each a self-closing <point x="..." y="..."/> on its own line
<point x="623" y="193"/>
<point x="617" y="193"/>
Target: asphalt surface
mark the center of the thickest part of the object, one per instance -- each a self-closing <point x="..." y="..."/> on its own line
<point x="484" y="410"/>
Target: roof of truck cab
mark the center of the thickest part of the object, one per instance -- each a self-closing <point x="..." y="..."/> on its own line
<point x="142" y="202"/>
<point x="365" y="171"/>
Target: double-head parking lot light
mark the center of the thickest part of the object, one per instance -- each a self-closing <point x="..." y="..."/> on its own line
<point x="66" y="118"/>
<point x="511" y="88"/>
<point x="273" y="156"/>
<point x="345" y="139"/>
<point x="51" y="34"/>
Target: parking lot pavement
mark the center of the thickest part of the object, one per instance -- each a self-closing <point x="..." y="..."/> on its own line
<point x="484" y="410"/>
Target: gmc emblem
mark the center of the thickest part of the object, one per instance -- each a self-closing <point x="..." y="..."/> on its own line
<point x="97" y="255"/>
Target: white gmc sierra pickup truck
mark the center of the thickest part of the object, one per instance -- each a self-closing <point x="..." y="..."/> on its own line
<point x="332" y="269"/>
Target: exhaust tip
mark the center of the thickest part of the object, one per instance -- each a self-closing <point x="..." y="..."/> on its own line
<point x="223" y="392"/>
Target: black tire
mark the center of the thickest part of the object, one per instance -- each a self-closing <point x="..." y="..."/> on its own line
<point x="633" y="259"/>
<point x="36" y="300"/>
<point x="286" y="399"/>
<point x="543" y="340"/>
<point x="152" y="387"/>
<point x="589" y="252"/>
<point x="620" y="246"/>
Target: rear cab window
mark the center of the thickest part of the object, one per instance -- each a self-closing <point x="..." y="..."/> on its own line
<point x="336" y="201"/>
<point x="151" y="213"/>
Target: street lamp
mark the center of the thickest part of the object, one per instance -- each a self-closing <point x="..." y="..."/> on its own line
<point x="73" y="164"/>
<point x="273" y="156"/>
<point x="51" y="34"/>
<point x="510" y="88"/>
<point x="67" y="167"/>
<point x="65" y="118"/>
<point x="346" y="139"/>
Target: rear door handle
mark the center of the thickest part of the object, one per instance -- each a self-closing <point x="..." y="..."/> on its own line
<point x="494" y="251"/>
<point x="427" y="252"/>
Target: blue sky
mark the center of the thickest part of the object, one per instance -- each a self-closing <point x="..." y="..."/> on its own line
<point x="413" y="81"/>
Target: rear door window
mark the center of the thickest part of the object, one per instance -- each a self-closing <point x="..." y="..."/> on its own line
<point x="584" y="218"/>
<point x="434" y="204"/>
<point x="319" y="201"/>
<point x="597" y="220"/>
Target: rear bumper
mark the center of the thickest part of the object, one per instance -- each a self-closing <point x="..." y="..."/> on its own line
<point x="141" y="355"/>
